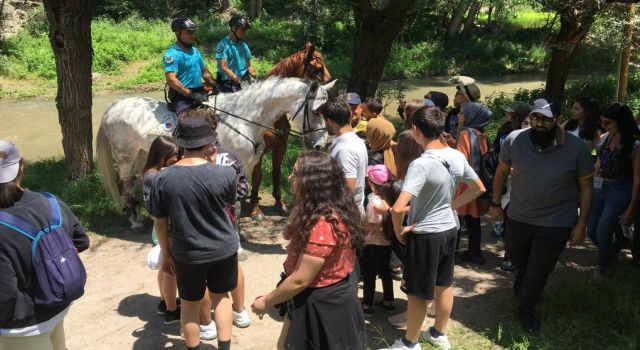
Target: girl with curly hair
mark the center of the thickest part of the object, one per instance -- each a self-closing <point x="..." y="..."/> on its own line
<point x="323" y="311"/>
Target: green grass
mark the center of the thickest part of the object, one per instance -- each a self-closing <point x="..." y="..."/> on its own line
<point x="86" y="197"/>
<point x="128" y="53"/>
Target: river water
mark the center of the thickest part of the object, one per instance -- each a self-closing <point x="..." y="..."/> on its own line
<point x="33" y="123"/>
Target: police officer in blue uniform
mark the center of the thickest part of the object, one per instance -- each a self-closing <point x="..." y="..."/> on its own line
<point x="185" y="69"/>
<point x="233" y="56"/>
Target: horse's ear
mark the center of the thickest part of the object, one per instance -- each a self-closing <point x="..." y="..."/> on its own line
<point x="314" y="88"/>
<point x="328" y="86"/>
<point x="309" y="48"/>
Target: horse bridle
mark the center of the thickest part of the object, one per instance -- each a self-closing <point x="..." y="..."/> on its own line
<point x="313" y="71"/>
<point x="306" y="123"/>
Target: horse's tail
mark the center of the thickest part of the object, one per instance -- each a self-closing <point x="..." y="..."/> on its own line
<point x="105" y="167"/>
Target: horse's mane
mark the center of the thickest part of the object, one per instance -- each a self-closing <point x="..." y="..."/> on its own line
<point x="267" y="89"/>
<point x="290" y="66"/>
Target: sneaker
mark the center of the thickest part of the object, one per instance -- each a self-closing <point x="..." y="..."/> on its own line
<point x="506" y="265"/>
<point x="529" y="321"/>
<point x="396" y="273"/>
<point x="474" y="258"/>
<point x="399" y="320"/>
<point x="242" y="255"/>
<point x="399" y="345"/>
<point x="162" y="307"/>
<point x="441" y="341"/>
<point x="241" y="319"/>
<point x="171" y="317"/>
<point x="208" y="332"/>
<point x="386" y="307"/>
<point x="367" y="311"/>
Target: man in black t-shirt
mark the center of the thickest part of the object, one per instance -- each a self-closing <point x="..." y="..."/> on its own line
<point x="193" y="193"/>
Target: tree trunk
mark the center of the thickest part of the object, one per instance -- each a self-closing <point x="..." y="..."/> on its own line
<point x="625" y="57"/>
<point x="471" y="17"/>
<point x="570" y="35"/>
<point x="456" y="21"/>
<point x="374" y="36"/>
<point x="224" y="5"/>
<point x="255" y="9"/>
<point x="70" y="37"/>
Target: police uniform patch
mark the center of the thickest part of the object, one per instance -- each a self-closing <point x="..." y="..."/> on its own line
<point x="219" y="50"/>
<point x="168" y="59"/>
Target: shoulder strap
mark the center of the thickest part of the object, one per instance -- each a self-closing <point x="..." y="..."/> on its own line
<point x="475" y="149"/>
<point x="56" y="217"/>
<point x="16" y="224"/>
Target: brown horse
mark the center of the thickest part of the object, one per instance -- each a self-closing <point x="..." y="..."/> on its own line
<point x="307" y="63"/>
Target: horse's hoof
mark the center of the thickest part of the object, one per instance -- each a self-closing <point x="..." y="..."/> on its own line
<point x="282" y="207"/>
<point x="256" y="214"/>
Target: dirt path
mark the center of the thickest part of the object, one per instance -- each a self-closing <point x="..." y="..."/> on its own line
<point x="118" y="309"/>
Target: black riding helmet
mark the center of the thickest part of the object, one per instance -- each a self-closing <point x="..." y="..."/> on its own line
<point x="182" y="24"/>
<point x="239" y="21"/>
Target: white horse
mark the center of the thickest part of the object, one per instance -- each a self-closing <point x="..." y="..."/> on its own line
<point x="130" y="125"/>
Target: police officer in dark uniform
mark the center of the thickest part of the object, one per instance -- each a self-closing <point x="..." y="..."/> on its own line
<point x="233" y="56"/>
<point x="185" y="69"/>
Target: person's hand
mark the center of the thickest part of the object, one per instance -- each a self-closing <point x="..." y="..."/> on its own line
<point x="401" y="235"/>
<point x="252" y="72"/>
<point x="628" y="216"/>
<point x="168" y="265"/>
<point x="199" y="96"/>
<point x="577" y="234"/>
<point x="259" y="306"/>
<point x="449" y="139"/>
<point x="382" y="207"/>
<point x="496" y="213"/>
<point x="208" y="86"/>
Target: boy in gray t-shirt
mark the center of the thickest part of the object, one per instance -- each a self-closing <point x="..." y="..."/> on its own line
<point x="431" y="235"/>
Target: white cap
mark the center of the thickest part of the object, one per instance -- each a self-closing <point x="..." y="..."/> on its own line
<point x="9" y="161"/>
<point x="543" y="107"/>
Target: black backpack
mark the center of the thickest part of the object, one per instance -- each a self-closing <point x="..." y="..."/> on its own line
<point x="484" y="165"/>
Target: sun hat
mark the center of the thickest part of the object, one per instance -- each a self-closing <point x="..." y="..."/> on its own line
<point x="467" y="86"/>
<point x="9" y="161"/>
<point x="378" y="174"/>
<point x="194" y="132"/>
<point x="546" y="107"/>
<point x="352" y="98"/>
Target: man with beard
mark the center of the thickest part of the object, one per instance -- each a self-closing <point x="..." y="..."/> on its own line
<point x="551" y="177"/>
<point x="185" y="69"/>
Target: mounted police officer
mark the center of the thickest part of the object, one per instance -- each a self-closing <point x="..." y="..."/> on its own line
<point x="234" y="56"/>
<point x="185" y="69"/>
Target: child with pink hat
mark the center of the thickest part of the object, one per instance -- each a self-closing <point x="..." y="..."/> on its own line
<point x="377" y="249"/>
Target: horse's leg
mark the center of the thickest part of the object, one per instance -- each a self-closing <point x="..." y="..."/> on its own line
<point x="131" y="180"/>
<point x="256" y="178"/>
<point x="279" y="151"/>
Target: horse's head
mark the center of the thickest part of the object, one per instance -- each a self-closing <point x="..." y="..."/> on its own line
<point x="314" y="67"/>
<point x="311" y="124"/>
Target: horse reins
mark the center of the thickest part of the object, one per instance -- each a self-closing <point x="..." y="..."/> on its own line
<point x="305" y="123"/>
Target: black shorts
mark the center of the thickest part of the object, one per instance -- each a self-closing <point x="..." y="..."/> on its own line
<point x="219" y="276"/>
<point x="428" y="262"/>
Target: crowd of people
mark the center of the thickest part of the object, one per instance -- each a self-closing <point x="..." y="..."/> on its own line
<point x="378" y="203"/>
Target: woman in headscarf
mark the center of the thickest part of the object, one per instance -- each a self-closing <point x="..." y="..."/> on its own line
<point x="380" y="133"/>
<point x="473" y="118"/>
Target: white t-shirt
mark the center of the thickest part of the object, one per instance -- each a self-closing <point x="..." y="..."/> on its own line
<point x="433" y="187"/>
<point x="351" y="153"/>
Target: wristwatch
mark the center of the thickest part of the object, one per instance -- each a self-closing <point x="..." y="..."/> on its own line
<point x="495" y="205"/>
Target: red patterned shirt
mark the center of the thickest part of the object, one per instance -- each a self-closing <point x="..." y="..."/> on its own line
<point x="338" y="256"/>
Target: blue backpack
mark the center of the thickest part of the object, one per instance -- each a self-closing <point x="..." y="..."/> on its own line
<point x="59" y="272"/>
